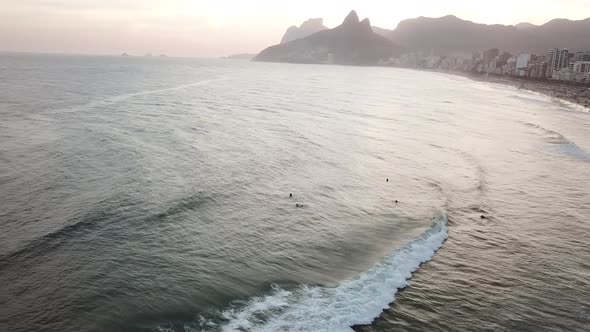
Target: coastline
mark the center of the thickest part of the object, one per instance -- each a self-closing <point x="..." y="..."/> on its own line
<point x="576" y="94"/>
<point x="572" y="93"/>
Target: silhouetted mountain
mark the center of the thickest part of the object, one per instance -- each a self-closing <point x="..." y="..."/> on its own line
<point x="450" y="35"/>
<point x="560" y="33"/>
<point x="383" y="32"/>
<point x="307" y="28"/>
<point x="352" y="42"/>
<point x="525" y="26"/>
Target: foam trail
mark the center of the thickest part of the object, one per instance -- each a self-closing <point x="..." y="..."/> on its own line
<point x="357" y="301"/>
<point x="123" y="97"/>
<point x="174" y="88"/>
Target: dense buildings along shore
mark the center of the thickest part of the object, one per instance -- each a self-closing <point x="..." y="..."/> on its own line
<point x="558" y="64"/>
<point x="558" y="73"/>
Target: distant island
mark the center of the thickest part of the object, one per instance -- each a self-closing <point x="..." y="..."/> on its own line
<point x="352" y="43"/>
<point x="148" y="55"/>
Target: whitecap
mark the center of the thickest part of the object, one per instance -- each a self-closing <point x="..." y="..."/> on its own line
<point x="353" y="302"/>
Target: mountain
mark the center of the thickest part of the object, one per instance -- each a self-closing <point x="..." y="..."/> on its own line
<point x="352" y="43"/>
<point x="525" y="26"/>
<point x="450" y="35"/>
<point x="383" y="32"/>
<point x="574" y="35"/>
<point x="307" y="28"/>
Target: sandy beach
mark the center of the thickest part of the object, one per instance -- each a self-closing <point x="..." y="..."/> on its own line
<point x="574" y="93"/>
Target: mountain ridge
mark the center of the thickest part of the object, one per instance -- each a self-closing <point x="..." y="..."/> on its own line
<point x="448" y="35"/>
<point x="451" y="35"/>
<point x="306" y="28"/>
<point x="351" y="43"/>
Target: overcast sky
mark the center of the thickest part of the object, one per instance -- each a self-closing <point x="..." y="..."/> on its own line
<point x="223" y="27"/>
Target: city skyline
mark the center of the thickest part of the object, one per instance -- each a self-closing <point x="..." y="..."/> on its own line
<point x="217" y="28"/>
<point x="558" y="64"/>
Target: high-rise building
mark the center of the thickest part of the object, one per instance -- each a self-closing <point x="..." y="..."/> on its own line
<point x="522" y="61"/>
<point x="539" y="65"/>
<point x="562" y="59"/>
<point x="510" y="66"/>
<point x="570" y="61"/>
<point x="503" y="59"/>
<point x="558" y="59"/>
<point x="549" y="59"/>
<point x="476" y="56"/>
<point x="582" y="56"/>
<point x="542" y="69"/>
<point x="581" y="67"/>
<point x="490" y="55"/>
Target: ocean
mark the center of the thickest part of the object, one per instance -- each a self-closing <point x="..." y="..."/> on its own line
<point x="164" y="194"/>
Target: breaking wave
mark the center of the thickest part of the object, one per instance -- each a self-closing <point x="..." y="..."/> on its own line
<point x="313" y="308"/>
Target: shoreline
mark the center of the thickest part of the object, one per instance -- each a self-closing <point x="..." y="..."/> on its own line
<point x="566" y="92"/>
<point x="576" y="94"/>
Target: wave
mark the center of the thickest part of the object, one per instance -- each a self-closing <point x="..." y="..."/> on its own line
<point x="41" y="246"/>
<point x="313" y="308"/>
<point x="565" y="145"/>
<point x="564" y="103"/>
<point x="574" y="106"/>
<point x="550" y="136"/>
<point x="109" y="212"/>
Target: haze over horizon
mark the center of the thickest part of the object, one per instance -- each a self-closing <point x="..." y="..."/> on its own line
<point x="223" y="27"/>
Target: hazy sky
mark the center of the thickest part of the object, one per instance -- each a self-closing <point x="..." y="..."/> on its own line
<point x="222" y="27"/>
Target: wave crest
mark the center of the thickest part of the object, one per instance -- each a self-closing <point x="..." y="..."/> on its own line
<point x="354" y="302"/>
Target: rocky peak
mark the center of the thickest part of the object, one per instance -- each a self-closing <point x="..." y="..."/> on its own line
<point x="351" y="19"/>
<point x="312" y="23"/>
<point x="307" y="28"/>
<point x="366" y="25"/>
<point x="351" y="43"/>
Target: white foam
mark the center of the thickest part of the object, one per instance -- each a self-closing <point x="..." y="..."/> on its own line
<point x="564" y="102"/>
<point x="118" y="98"/>
<point x="574" y="106"/>
<point x="357" y="301"/>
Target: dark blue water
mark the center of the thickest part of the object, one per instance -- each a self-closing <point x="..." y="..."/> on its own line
<point x="153" y="194"/>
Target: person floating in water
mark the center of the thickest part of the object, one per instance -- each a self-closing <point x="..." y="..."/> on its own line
<point x="483" y="217"/>
<point x="297" y="205"/>
<point x="396" y="201"/>
<point x="290" y="195"/>
<point x="387" y="180"/>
